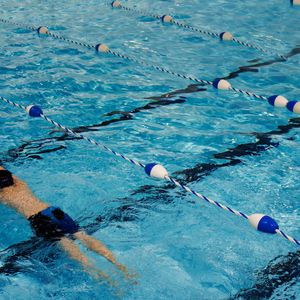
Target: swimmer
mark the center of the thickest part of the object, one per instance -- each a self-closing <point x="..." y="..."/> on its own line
<point x="52" y="223"/>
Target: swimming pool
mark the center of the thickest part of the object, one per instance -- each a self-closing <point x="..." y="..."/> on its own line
<point x="234" y="149"/>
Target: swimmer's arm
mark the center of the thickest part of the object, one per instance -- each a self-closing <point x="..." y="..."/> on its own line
<point x="96" y="246"/>
<point x="74" y="252"/>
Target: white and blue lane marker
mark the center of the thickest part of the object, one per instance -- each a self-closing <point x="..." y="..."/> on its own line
<point x="220" y="84"/>
<point x="260" y="222"/>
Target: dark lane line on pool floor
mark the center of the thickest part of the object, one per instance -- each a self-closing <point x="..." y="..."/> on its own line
<point x="283" y="270"/>
<point x="254" y="67"/>
<point x="191" y="88"/>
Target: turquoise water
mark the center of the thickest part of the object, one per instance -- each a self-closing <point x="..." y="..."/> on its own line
<point x="181" y="248"/>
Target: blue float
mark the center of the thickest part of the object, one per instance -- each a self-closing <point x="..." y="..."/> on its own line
<point x="34" y="111"/>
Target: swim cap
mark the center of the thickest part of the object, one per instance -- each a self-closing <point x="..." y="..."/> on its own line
<point x="6" y="179"/>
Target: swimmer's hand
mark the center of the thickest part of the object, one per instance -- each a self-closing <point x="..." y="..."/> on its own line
<point x="131" y="277"/>
<point x="100" y="275"/>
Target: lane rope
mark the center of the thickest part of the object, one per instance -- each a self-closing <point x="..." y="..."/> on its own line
<point x="218" y="83"/>
<point x="223" y="36"/>
<point x="261" y="222"/>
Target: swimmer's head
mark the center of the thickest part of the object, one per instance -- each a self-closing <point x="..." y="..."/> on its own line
<point x="6" y="179"/>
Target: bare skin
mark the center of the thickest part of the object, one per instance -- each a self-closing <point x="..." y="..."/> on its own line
<point x="20" y="197"/>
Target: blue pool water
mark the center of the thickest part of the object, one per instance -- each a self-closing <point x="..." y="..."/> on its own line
<point x="180" y="247"/>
